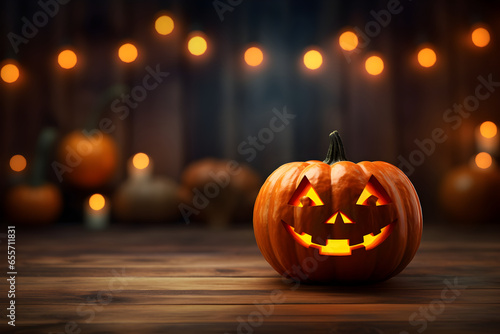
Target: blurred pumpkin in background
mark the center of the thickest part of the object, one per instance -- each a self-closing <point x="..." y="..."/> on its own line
<point x="36" y="202"/>
<point x="225" y="190"/>
<point x="143" y="197"/>
<point x="90" y="153"/>
<point x="92" y="161"/>
<point x="469" y="193"/>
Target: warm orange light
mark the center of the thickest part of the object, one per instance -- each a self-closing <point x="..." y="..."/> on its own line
<point x="97" y="202"/>
<point x="374" y="65"/>
<point x="164" y="25"/>
<point x="127" y="53"/>
<point x="140" y="160"/>
<point x="305" y="189"/>
<point x="9" y="73"/>
<point x="254" y="56"/>
<point x="488" y="129"/>
<point x="17" y="163"/>
<point x="483" y="160"/>
<point x="67" y="59"/>
<point x="197" y="45"/>
<point x="480" y="37"/>
<point x="313" y="59"/>
<point x="426" y="57"/>
<point x="348" y="41"/>
<point x="340" y="247"/>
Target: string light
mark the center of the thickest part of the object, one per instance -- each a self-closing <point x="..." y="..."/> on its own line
<point x="483" y="160"/>
<point x="97" y="202"/>
<point x="127" y="53"/>
<point x="313" y="59"/>
<point x="17" y="163"/>
<point x="426" y="57"/>
<point x="254" y="56"/>
<point x="488" y="129"/>
<point x="9" y="73"/>
<point x="140" y="160"/>
<point x="164" y="25"/>
<point x="67" y="59"/>
<point x="480" y="37"/>
<point x="197" y="45"/>
<point x="374" y="65"/>
<point x="348" y="41"/>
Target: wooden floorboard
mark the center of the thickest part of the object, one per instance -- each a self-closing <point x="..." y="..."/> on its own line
<point x="193" y="280"/>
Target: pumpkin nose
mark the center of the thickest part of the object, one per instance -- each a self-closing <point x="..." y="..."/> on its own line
<point x="339" y="218"/>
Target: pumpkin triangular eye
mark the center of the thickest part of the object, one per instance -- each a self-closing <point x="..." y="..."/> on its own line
<point x="305" y="189"/>
<point x="373" y="193"/>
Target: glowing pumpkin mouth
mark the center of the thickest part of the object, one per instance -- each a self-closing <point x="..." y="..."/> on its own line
<point x="341" y="247"/>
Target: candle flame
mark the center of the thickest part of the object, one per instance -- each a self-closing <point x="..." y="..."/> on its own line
<point x="97" y="202"/>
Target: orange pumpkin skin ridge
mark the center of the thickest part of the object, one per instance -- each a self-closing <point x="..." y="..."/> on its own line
<point x="338" y="185"/>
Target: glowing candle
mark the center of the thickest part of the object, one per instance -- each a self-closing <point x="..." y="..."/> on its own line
<point x="487" y="137"/>
<point x="140" y="167"/>
<point x="96" y="212"/>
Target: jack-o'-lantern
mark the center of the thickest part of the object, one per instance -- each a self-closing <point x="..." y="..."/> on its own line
<point x="337" y="221"/>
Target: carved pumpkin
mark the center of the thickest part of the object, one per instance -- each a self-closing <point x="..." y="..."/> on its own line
<point x="36" y="202"/>
<point x="235" y="187"/>
<point x="337" y="221"/>
<point x="92" y="162"/>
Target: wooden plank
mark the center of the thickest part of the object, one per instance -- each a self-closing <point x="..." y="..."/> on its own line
<point x="278" y="313"/>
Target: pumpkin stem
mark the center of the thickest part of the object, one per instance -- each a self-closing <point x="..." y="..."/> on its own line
<point x="336" y="151"/>
<point x="44" y="145"/>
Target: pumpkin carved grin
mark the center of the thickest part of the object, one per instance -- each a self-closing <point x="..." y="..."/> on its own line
<point x="341" y="247"/>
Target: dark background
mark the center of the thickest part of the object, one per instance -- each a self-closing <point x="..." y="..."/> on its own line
<point x="208" y="106"/>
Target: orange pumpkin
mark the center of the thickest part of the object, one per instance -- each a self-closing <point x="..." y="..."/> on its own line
<point x="229" y="189"/>
<point x="337" y="221"/>
<point x="91" y="161"/>
<point x="470" y="194"/>
<point x="36" y="202"/>
<point x="39" y="205"/>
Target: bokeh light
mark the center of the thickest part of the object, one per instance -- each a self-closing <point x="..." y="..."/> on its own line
<point x="313" y="59"/>
<point x="9" y="73"/>
<point x="127" y="53"/>
<point x="483" y="160"/>
<point x="140" y="160"/>
<point x="426" y="57"/>
<point x="197" y="45"/>
<point x="374" y="65"/>
<point x="97" y="202"/>
<point x="254" y="56"/>
<point x="488" y="129"/>
<point x="17" y="163"/>
<point x="67" y="59"/>
<point x="164" y="25"/>
<point x="348" y="41"/>
<point x="480" y="37"/>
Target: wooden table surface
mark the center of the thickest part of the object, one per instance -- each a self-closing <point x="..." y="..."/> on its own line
<point x="193" y="280"/>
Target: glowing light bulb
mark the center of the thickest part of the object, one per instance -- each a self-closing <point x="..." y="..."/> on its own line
<point x="488" y="129"/>
<point x="374" y="65"/>
<point x="348" y="41"/>
<point x="480" y="37"/>
<point x="313" y="59"/>
<point x="67" y="59"/>
<point x="426" y="57"/>
<point x="17" y="163"/>
<point x="97" y="202"/>
<point x="127" y="53"/>
<point x="197" y="45"/>
<point x="164" y="25"/>
<point x="140" y="160"/>
<point x="254" y="56"/>
<point x="9" y="73"/>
